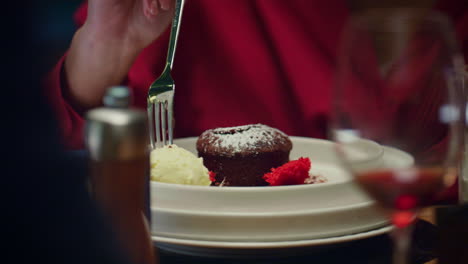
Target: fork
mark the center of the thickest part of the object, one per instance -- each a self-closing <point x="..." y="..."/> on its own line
<point x="161" y="92"/>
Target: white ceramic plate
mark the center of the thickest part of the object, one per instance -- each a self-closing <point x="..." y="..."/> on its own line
<point x="336" y="208"/>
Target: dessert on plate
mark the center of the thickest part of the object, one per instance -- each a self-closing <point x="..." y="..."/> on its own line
<point x="240" y="156"/>
<point x="249" y="155"/>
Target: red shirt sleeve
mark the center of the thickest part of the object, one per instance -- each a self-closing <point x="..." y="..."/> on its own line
<point x="71" y="122"/>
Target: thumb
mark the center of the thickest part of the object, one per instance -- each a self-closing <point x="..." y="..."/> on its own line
<point x="151" y="8"/>
<point x="166" y="4"/>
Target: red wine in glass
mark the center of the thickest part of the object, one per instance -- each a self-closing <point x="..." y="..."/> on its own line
<point x="402" y="191"/>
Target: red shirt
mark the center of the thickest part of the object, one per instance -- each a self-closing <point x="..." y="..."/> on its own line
<point x="239" y="62"/>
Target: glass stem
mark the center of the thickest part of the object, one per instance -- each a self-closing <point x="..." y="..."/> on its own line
<point x="401" y="237"/>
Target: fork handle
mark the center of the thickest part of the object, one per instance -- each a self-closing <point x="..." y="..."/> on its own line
<point x="174" y="33"/>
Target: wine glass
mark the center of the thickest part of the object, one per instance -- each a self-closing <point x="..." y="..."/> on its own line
<point x="398" y="89"/>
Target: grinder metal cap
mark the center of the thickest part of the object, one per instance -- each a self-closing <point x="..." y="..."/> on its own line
<point x="114" y="133"/>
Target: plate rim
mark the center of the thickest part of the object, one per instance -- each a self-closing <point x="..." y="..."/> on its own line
<point x="264" y="214"/>
<point x="273" y="244"/>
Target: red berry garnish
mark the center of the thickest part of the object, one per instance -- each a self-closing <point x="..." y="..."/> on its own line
<point x="291" y="173"/>
<point x="212" y="176"/>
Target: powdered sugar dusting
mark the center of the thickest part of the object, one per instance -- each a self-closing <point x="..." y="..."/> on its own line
<point x="244" y="138"/>
<point x="315" y="178"/>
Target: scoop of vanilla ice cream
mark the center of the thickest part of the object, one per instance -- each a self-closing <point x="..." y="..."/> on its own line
<point x="172" y="164"/>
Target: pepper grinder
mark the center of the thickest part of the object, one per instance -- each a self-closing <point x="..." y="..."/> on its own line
<point x="116" y="137"/>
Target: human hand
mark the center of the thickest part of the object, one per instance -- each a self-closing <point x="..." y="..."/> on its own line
<point x="131" y="24"/>
<point x="104" y="48"/>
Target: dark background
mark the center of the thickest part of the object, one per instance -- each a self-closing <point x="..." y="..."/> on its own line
<point x="54" y="27"/>
<point x="47" y="215"/>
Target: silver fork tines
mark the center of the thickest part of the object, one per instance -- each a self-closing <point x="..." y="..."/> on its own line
<point x="161" y="92"/>
<point x="160" y="114"/>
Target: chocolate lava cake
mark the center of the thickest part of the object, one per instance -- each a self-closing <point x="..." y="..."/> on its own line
<point x="240" y="156"/>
